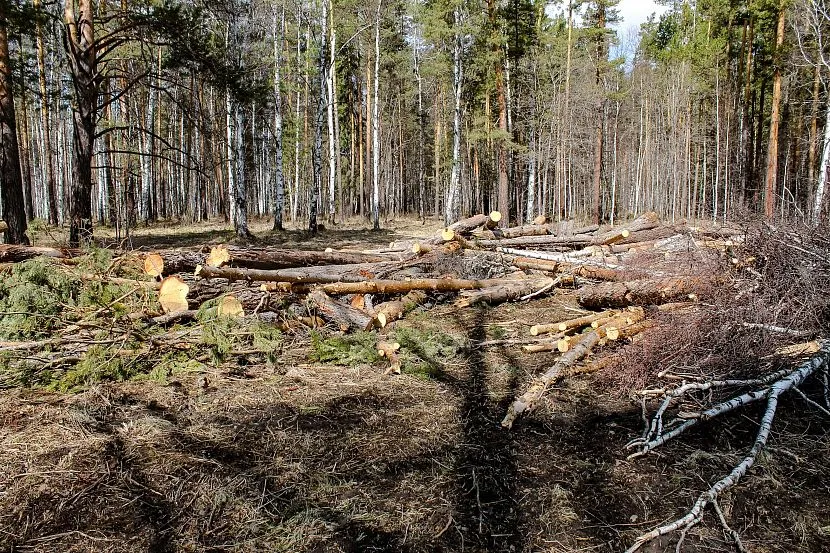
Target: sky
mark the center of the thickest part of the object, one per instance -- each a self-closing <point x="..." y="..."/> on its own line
<point x="635" y="12"/>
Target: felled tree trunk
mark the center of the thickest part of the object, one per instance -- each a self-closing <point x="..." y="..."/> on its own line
<point x="597" y="272"/>
<point x="179" y="261"/>
<point x="508" y="290"/>
<point x="10" y="253"/>
<point x="398" y="286"/>
<point x="307" y="275"/>
<point x="390" y="311"/>
<point x="645" y="221"/>
<point x="639" y="292"/>
<point x="272" y="258"/>
<point x="338" y="312"/>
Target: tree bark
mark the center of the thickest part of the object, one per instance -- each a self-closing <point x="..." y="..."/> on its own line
<point x="775" y="120"/>
<point x="11" y="187"/>
<point x="82" y="55"/>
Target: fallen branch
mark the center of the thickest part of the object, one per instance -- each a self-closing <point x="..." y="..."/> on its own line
<point x="773" y="387"/>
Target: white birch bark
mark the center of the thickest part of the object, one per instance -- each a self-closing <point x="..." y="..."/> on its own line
<point x="375" y="125"/>
<point x="825" y="166"/>
<point x="451" y="210"/>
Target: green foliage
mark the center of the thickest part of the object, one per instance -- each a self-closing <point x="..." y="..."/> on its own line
<point x="103" y="364"/>
<point x="355" y="349"/>
<point x="424" y="352"/>
<point x="33" y="298"/>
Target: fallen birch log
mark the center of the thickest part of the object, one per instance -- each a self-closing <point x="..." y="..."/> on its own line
<point x="770" y="389"/>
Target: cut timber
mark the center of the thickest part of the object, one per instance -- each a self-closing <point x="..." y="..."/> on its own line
<point x="514" y="232"/>
<point x="274" y="258"/>
<point x="639" y="292"/>
<point x="309" y="275"/>
<point x="564" y="344"/>
<point x="592" y="270"/>
<point x="10" y="253"/>
<point x="3" y="226"/>
<point x="400" y="286"/>
<point x="528" y="400"/>
<point x="579" y="240"/>
<point x="447" y="234"/>
<point x="173" y="294"/>
<point x="540" y="220"/>
<point x="389" y="350"/>
<point x="343" y="314"/>
<point x="179" y="261"/>
<point x="508" y="290"/>
<point x="230" y="307"/>
<point x="153" y="265"/>
<point x="390" y="311"/>
<point x="570" y="324"/>
<point x="646" y="221"/>
<point x="219" y="255"/>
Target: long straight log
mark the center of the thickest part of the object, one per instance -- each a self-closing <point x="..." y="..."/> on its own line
<point x="179" y="261"/>
<point x="510" y="290"/>
<point x="578" y="240"/>
<point x="591" y="271"/>
<point x="640" y="292"/>
<point x="275" y="258"/>
<point x="394" y="286"/>
<point x="570" y="324"/>
<point x="308" y="275"/>
<point x="10" y="253"/>
<point x="527" y="401"/>
<point x="515" y="232"/>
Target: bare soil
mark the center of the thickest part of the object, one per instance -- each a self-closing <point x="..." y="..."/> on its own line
<point x="307" y="457"/>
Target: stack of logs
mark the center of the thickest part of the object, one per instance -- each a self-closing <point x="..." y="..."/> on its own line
<point x="474" y="261"/>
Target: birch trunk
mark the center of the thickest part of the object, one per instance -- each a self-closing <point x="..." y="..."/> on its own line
<point x="279" y="185"/>
<point x="375" y="126"/>
<point x="818" y="202"/>
<point x="452" y="208"/>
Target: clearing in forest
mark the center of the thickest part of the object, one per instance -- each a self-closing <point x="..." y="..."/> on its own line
<point x="549" y="387"/>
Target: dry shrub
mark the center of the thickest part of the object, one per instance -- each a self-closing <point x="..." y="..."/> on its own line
<point x="779" y="277"/>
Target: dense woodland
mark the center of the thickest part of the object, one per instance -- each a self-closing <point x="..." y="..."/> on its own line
<point x="127" y="113"/>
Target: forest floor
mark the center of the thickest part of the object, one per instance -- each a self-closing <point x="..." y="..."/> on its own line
<point x="317" y="450"/>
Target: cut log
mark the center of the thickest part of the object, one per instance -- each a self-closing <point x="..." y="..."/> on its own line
<point x="310" y="275"/>
<point x="219" y="255"/>
<point x="230" y="307"/>
<point x="274" y="258"/>
<point x="639" y="292"/>
<point x="10" y="253"/>
<point x="596" y="271"/>
<point x="571" y="324"/>
<point x="397" y="286"/>
<point x="579" y="240"/>
<point x="645" y="221"/>
<point x="508" y="290"/>
<point x="514" y="232"/>
<point x="153" y="265"/>
<point x="3" y="226"/>
<point x="173" y="295"/>
<point x="390" y="311"/>
<point x="346" y="316"/>
<point x="389" y="350"/>
<point x="179" y="261"/>
<point x="527" y="401"/>
<point x="540" y="220"/>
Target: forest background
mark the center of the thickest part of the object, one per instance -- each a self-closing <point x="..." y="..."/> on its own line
<point x="123" y="114"/>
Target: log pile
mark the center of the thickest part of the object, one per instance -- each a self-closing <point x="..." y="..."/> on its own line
<point x="470" y="263"/>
